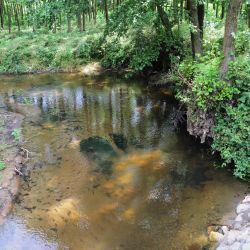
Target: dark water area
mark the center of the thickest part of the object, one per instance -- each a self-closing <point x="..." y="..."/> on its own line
<point x="110" y="172"/>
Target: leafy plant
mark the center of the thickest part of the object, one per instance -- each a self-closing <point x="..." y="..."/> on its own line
<point x="2" y="165"/>
<point x="16" y="134"/>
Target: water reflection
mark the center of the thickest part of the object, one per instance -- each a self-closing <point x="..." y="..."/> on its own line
<point x="15" y="235"/>
<point x="162" y="192"/>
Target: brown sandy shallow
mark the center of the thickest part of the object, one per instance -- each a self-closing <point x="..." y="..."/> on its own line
<point x="10" y="154"/>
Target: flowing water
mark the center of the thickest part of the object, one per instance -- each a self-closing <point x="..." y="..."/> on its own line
<point x="158" y="189"/>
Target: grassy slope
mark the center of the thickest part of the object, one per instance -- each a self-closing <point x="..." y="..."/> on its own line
<point x="43" y="51"/>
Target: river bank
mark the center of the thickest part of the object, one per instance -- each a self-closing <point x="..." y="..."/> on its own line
<point x="236" y="234"/>
<point x="11" y="158"/>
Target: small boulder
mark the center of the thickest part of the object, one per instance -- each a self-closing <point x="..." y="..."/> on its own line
<point x="231" y="237"/>
<point x="235" y="246"/>
<point x="245" y="246"/>
<point x="242" y="208"/>
<point x="224" y="229"/>
<point x="120" y="141"/>
<point x="215" y="236"/>
<point x="247" y="199"/>
<point x="97" y="145"/>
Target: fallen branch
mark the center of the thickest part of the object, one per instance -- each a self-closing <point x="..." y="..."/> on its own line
<point x="26" y="151"/>
<point x="18" y="172"/>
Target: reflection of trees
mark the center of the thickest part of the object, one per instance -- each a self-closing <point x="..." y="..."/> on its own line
<point x="101" y="110"/>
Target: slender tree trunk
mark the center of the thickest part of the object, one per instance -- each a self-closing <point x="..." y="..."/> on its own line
<point x="196" y="38"/>
<point x="222" y="10"/>
<point x="201" y="16"/>
<point x="230" y="30"/>
<point x="79" y="22"/>
<point x="175" y="7"/>
<point x="217" y="10"/>
<point x="106" y="10"/>
<point x="9" y="18"/>
<point x="83" y="22"/>
<point x="94" y="10"/>
<point x="69" y="30"/>
<point x="60" y="22"/>
<point x="55" y="25"/>
<point x="181" y="10"/>
<point x="2" y="13"/>
<point x="248" y="15"/>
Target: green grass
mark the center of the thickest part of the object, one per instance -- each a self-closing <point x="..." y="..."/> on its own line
<point x="41" y="51"/>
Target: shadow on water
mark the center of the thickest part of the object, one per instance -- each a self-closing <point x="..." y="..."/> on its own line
<point x="109" y="170"/>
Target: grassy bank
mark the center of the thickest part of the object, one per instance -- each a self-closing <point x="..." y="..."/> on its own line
<point x="24" y="52"/>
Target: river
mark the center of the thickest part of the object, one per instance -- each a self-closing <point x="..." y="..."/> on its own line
<point x="159" y="190"/>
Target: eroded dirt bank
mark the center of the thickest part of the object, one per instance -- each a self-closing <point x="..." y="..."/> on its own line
<point x="11" y="159"/>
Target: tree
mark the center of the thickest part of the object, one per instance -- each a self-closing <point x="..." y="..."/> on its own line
<point x="196" y="31"/>
<point x="230" y="31"/>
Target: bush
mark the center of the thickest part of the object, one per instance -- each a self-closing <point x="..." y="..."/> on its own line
<point x="232" y="138"/>
<point x="12" y="61"/>
<point x="201" y="89"/>
<point x="232" y="130"/>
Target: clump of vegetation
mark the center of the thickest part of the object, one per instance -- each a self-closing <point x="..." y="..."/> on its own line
<point x="44" y="52"/>
<point x="2" y="165"/>
<point x="201" y="88"/>
<point x="16" y="133"/>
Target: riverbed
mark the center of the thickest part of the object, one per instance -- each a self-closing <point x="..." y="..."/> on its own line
<point x="158" y="190"/>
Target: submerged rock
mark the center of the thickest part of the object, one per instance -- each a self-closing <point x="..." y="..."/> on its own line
<point x="105" y="167"/>
<point x="100" y="151"/>
<point x="97" y="145"/>
<point x="120" y="141"/>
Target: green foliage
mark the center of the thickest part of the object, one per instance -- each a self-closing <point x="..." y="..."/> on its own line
<point x="2" y="165"/>
<point x="41" y="51"/>
<point x="232" y="137"/>
<point x="200" y="87"/>
<point x="17" y="135"/>
<point x="232" y="130"/>
<point x="11" y="61"/>
<point x="136" y="41"/>
<point x="206" y="86"/>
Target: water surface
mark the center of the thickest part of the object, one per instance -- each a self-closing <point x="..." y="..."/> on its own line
<point x="160" y="191"/>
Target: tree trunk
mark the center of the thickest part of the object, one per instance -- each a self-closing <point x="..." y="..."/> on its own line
<point x="79" y="22"/>
<point x="165" y="21"/>
<point x="248" y="15"/>
<point x="106" y="10"/>
<point x="9" y="18"/>
<point x="201" y="15"/>
<point x="196" y="39"/>
<point x="230" y="30"/>
<point x="2" y="13"/>
<point x="55" y="25"/>
<point x="17" y="18"/>
<point x="69" y="29"/>
<point x="83" y="22"/>
<point x="175" y="8"/>
<point x="222" y="10"/>
<point x="181" y="10"/>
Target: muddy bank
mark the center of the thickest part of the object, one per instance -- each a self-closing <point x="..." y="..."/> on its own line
<point x="11" y="159"/>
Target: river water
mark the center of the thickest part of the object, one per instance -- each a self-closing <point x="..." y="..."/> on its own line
<point x="159" y="190"/>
